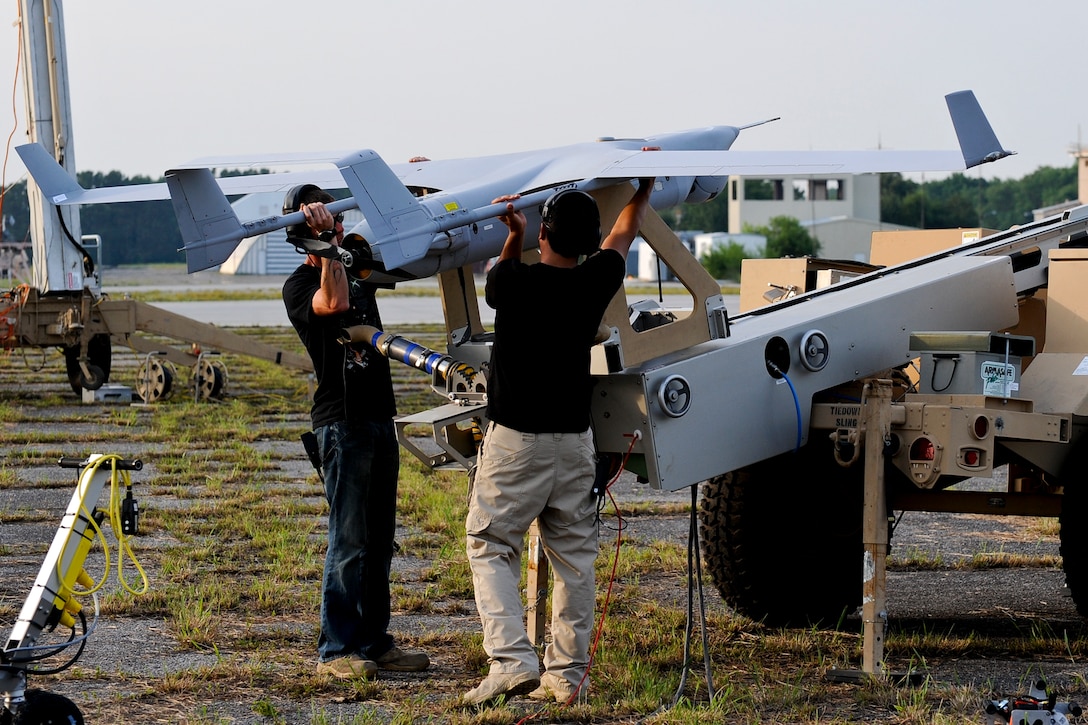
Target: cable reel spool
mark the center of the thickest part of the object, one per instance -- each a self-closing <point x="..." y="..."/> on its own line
<point x="209" y="377"/>
<point x="155" y="379"/>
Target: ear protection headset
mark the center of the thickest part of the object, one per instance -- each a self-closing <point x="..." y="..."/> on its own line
<point x="547" y="212"/>
<point x="292" y="202"/>
<point x="565" y="198"/>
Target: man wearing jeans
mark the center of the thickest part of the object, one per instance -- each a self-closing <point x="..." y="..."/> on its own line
<point x="537" y="460"/>
<point x="352" y="418"/>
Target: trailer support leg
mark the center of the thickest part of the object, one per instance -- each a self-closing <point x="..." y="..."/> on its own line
<point x="536" y="588"/>
<point x="876" y="422"/>
<point x="877" y="425"/>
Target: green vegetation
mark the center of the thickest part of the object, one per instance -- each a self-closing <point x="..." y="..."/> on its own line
<point x="786" y="238"/>
<point x="967" y="201"/>
<point x="724" y="261"/>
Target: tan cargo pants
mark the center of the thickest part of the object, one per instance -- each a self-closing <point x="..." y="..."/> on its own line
<point x="521" y="477"/>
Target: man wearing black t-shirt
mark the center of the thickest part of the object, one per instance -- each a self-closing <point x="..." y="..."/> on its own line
<point x="352" y="417"/>
<point x="537" y="460"/>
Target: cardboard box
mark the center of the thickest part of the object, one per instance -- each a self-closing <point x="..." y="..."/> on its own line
<point x="1067" y="303"/>
<point x="1032" y="322"/>
<point x="890" y="248"/>
<point x="791" y="276"/>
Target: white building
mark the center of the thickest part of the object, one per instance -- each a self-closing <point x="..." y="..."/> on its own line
<point x="753" y="244"/>
<point x="642" y="259"/>
<point x="841" y="212"/>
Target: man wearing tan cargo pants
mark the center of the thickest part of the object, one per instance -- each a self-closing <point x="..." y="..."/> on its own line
<point x="537" y="460"/>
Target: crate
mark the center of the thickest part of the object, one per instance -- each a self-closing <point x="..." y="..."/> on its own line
<point x="108" y="393"/>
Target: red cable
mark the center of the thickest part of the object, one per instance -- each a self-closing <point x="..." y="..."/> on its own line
<point x="15" y="115"/>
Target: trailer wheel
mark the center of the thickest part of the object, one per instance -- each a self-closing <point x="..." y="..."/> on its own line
<point x="782" y="539"/>
<point x="99" y="356"/>
<point x="1072" y="534"/>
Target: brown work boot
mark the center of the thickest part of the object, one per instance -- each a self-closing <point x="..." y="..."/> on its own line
<point x="561" y="695"/>
<point x="348" y="668"/>
<point x="398" y="660"/>
<point x="501" y="684"/>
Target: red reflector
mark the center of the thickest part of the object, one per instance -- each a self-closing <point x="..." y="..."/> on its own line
<point x="922" y="450"/>
<point x="651" y="148"/>
<point x="971" y="457"/>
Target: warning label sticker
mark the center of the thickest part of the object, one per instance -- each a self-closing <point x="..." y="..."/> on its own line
<point x="998" y="379"/>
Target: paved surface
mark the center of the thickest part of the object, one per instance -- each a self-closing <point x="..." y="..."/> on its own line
<point x="399" y="309"/>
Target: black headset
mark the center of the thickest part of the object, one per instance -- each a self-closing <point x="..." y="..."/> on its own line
<point x="292" y="202"/>
<point x="547" y="212"/>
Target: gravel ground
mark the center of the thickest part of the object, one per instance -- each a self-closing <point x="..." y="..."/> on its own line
<point x="999" y="602"/>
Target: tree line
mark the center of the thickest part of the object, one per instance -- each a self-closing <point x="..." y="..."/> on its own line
<point x="147" y="232"/>
<point x="958" y="201"/>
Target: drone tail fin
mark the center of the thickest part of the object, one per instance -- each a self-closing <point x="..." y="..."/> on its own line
<point x="400" y="229"/>
<point x="210" y="229"/>
<point x="977" y="139"/>
<point x="57" y="185"/>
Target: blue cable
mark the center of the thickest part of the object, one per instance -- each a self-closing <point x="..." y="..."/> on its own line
<point x="796" y="402"/>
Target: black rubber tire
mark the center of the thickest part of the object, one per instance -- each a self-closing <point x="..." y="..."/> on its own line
<point x="100" y="356"/>
<point x="782" y="539"/>
<point x="47" y="708"/>
<point x="1073" y="534"/>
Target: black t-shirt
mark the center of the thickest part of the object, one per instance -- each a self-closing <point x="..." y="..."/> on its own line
<point x="353" y="381"/>
<point x="545" y="321"/>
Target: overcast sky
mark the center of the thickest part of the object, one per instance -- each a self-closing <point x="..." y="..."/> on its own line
<point x="158" y="83"/>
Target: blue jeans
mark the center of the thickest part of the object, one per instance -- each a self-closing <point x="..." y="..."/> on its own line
<point x="361" y="462"/>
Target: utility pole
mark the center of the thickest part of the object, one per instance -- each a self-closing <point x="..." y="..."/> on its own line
<point x="60" y="263"/>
